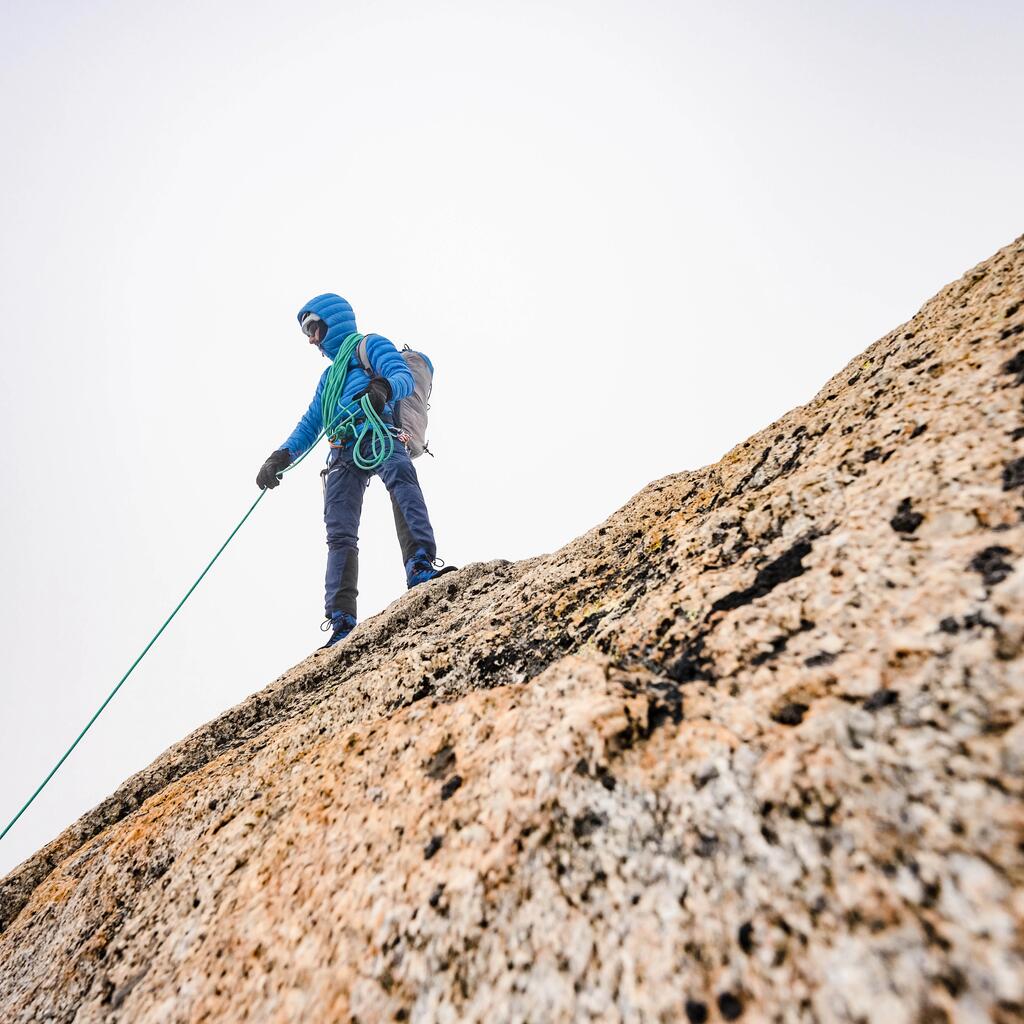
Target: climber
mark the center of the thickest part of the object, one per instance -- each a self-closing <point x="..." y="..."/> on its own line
<point x="326" y="321"/>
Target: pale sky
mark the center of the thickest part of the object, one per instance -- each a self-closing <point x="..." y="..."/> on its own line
<point x="628" y="235"/>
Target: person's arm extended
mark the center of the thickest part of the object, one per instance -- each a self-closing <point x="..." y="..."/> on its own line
<point x="307" y="430"/>
<point x="387" y="362"/>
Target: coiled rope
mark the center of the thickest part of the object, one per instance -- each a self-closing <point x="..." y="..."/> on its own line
<point x="339" y="426"/>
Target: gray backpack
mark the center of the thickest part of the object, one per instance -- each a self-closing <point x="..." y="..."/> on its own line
<point x="410" y="412"/>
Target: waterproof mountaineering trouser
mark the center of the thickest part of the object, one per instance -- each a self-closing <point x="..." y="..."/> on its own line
<point x="344" y="484"/>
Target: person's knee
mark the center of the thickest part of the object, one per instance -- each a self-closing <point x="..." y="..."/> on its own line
<point x="341" y="540"/>
<point x="403" y="475"/>
<point x="342" y="525"/>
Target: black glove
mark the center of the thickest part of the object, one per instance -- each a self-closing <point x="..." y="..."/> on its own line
<point x="379" y="391"/>
<point x="277" y="463"/>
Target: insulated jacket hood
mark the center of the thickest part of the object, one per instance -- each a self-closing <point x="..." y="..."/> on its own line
<point x="337" y="314"/>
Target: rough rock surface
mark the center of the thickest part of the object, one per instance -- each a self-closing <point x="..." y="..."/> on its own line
<point x="751" y="749"/>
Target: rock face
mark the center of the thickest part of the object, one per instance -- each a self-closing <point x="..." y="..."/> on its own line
<point x="751" y="749"/>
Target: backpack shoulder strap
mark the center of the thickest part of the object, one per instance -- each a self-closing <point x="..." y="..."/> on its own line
<point x="363" y="356"/>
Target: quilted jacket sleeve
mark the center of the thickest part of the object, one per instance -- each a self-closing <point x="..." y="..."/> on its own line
<point x="386" y="361"/>
<point x="307" y="430"/>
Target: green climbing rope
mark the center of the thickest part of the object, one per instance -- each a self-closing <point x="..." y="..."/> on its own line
<point x="339" y="425"/>
<point x="88" y="726"/>
<point x="381" y="443"/>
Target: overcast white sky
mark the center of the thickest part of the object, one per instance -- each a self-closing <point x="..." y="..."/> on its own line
<point x="629" y="234"/>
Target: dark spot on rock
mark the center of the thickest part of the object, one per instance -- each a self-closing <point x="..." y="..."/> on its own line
<point x="989" y="563"/>
<point x="435" y="896"/>
<point x="425" y="689"/>
<point x="1012" y="309"/>
<point x="872" y="454"/>
<point x="821" y="658"/>
<point x="746" y="937"/>
<point x="976" y="620"/>
<point x="432" y="847"/>
<point x="696" y="1011"/>
<point x="753" y="472"/>
<point x="1009" y="332"/>
<point x="606" y="778"/>
<point x="729" y="1006"/>
<point x="790" y="714"/>
<point x="582" y="768"/>
<point x="1016" y="366"/>
<point x="667" y="707"/>
<point x="706" y="845"/>
<point x="881" y="699"/>
<point x="918" y="430"/>
<point x="692" y="664"/>
<point x="1017" y="434"/>
<point x="953" y="981"/>
<point x="489" y="664"/>
<point x="1013" y="474"/>
<point x="912" y="364"/>
<point x="587" y="823"/>
<point x="778" y="646"/>
<point x="212" y="805"/>
<point x="906" y="519"/>
<point x="440" y="763"/>
<point x="791" y="463"/>
<point x="786" y="567"/>
<point x="451" y="786"/>
<point x="401" y="1013"/>
<point x="949" y="625"/>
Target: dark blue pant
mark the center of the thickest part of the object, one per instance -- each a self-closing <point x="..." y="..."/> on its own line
<point x="344" y="484"/>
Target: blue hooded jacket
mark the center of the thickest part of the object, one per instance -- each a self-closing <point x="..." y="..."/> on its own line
<point x="384" y="358"/>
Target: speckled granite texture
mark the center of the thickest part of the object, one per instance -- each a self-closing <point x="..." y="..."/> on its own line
<point x="751" y="749"/>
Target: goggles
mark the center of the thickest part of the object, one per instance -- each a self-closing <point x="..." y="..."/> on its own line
<point x="309" y="324"/>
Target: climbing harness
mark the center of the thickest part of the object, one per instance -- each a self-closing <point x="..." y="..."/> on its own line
<point x="339" y="425"/>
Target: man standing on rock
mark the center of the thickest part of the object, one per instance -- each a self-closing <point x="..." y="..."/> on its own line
<point x="327" y="321"/>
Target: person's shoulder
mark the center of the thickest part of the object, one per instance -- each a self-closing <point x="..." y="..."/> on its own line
<point x="378" y="341"/>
